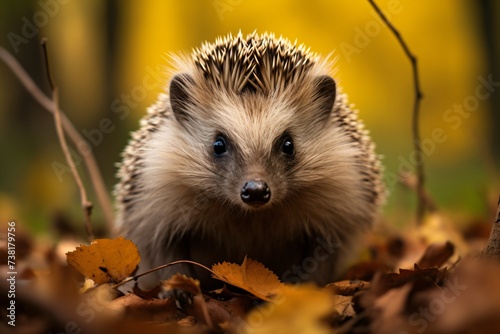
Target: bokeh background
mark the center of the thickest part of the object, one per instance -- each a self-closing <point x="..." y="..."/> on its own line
<point x="109" y="59"/>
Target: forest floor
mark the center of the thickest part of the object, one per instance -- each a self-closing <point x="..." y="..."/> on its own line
<point x="431" y="278"/>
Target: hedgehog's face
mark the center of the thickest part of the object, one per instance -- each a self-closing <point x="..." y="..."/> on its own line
<point x="260" y="150"/>
<point x="254" y="167"/>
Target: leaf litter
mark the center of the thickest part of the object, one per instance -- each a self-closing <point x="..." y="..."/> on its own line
<point x="444" y="290"/>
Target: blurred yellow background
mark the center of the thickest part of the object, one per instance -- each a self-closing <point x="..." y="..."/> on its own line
<point x="110" y="58"/>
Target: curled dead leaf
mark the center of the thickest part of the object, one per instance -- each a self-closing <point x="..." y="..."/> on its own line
<point x="436" y="254"/>
<point x="348" y="287"/>
<point x="182" y="282"/>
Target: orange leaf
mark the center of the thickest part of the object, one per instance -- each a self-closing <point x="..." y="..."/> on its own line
<point x="105" y="260"/>
<point x="182" y="282"/>
<point x="251" y="276"/>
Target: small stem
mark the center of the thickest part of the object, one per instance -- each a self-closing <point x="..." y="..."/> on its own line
<point x="421" y="207"/>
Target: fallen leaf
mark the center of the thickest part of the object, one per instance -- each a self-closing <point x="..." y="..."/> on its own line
<point x="344" y="307"/>
<point x="406" y="275"/>
<point x="146" y="294"/>
<point x="469" y="300"/>
<point x="105" y="260"/>
<point x="227" y="310"/>
<point x="348" y="287"/>
<point x="381" y="283"/>
<point x="134" y="307"/>
<point x="436" y="228"/>
<point x="182" y="282"/>
<point x="436" y="255"/>
<point x="191" y="285"/>
<point x="298" y="309"/>
<point x="251" y="276"/>
<point x="387" y="313"/>
<point x="365" y="271"/>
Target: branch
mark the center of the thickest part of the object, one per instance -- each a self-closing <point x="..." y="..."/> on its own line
<point x="416" y="114"/>
<point x="86" y="205"/>
<point x="410" y="181"/>
<point x="73" y="134"/>
<point x="492" y="249"/>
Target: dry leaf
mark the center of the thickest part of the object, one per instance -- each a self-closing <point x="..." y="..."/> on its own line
<point x="435" y="228"/>
<point x="436" y="255"/>
<point x="251" y="276"/>
<point x="469" y="301"/>
<point x="405" y="276"/>
<point x="133" y="307"/>
<point x="146" y="294"/>
<point x="389" y="311"/>
<point x="191" y="285"/>
<point x="348" y="287"/>
<point x="182" y="282"/>
<point x="344" y="307"/>
<point x="298" y="309"/>
<point x="105" y="260"/>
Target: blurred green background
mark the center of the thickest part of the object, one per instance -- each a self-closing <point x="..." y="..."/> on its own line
<point x="110" y="58"/>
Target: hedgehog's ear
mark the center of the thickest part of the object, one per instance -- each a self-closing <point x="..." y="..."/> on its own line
<point x="179" y="96"/>
<point x="325" y="93"/>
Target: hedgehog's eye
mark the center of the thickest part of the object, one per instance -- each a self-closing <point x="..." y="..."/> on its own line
<point x="287" y="146"/>
<point x="220" y="146"/>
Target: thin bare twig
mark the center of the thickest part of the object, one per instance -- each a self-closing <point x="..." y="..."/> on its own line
<point x="136" y="277"/>
<point x="492" y="249"/>
<point x="86" y="204"/>
<point x="73" y="134"/>
<point x="410" y="181"/>
<point x="416" y="114"/>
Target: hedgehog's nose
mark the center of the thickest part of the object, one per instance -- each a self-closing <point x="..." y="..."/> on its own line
<point x="256" y="192"/>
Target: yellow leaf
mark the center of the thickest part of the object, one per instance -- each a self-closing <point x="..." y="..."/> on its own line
<point x="105" y="260"/>
<point x="251" y="276"/>
<point x="298" y="309"/>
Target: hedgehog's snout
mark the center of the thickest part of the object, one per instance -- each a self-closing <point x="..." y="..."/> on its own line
<point x="255" y="192"/>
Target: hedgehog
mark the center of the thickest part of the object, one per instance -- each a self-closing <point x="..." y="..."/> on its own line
<point x="251" y="151"/>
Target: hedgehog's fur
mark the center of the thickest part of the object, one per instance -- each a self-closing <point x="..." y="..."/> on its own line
<point x="176" y="201"/>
